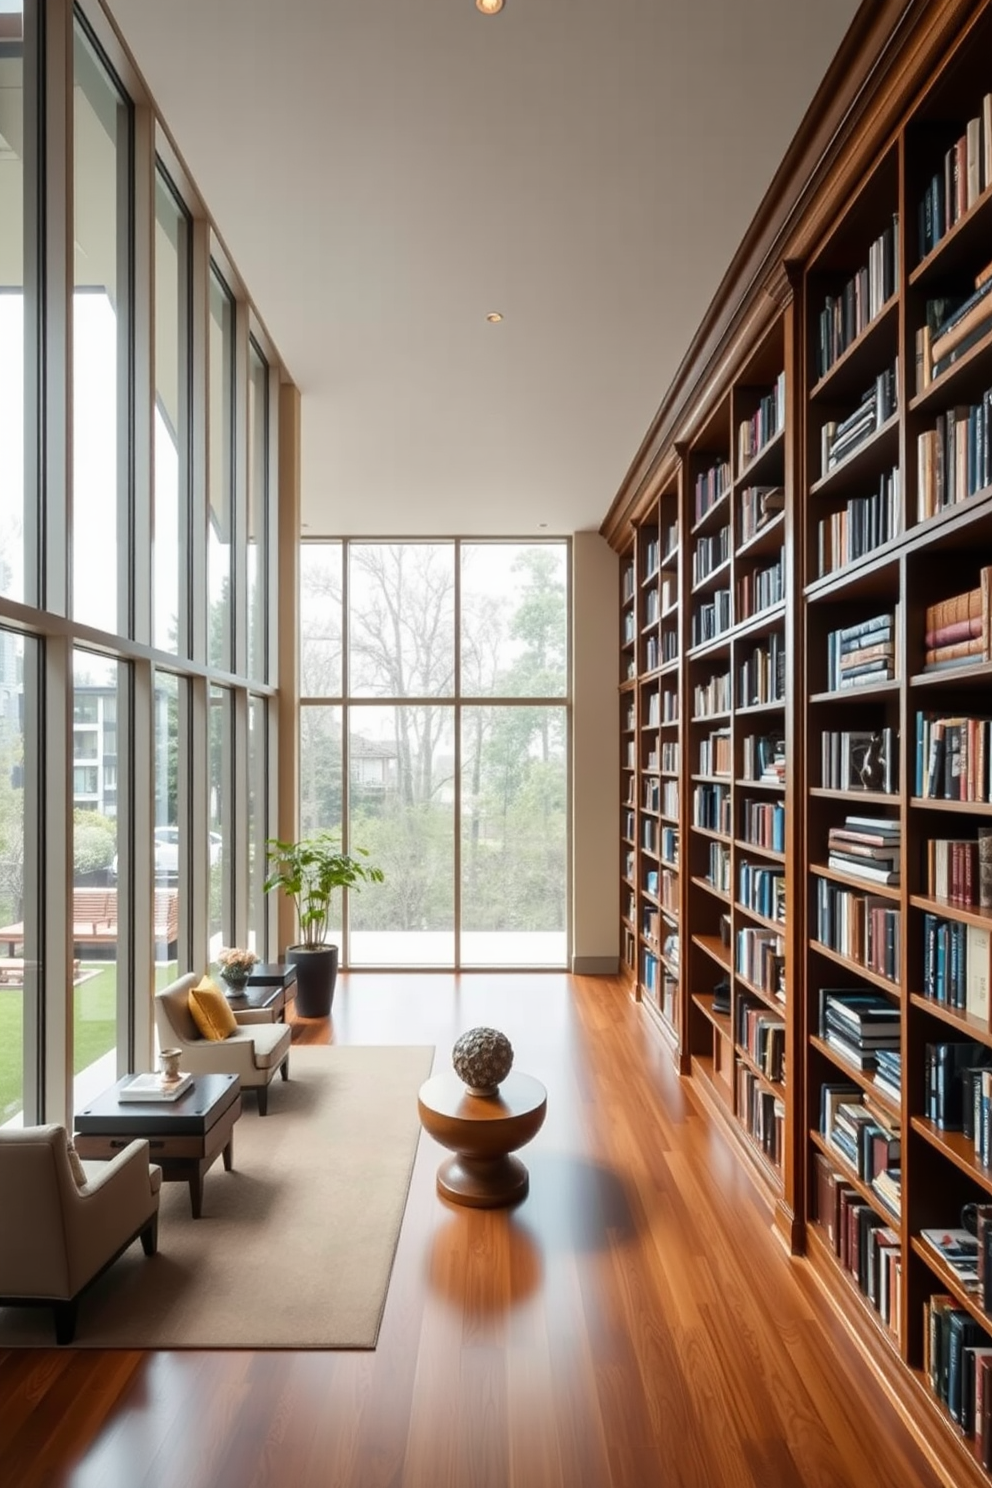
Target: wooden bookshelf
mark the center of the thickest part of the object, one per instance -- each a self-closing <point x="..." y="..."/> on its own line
<point x="838" y="379"/>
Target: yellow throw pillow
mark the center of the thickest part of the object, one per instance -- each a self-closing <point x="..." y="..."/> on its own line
<point x="211" y="1011"/>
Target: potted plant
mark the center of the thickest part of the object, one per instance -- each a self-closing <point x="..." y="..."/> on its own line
<point x="308" y="872"/>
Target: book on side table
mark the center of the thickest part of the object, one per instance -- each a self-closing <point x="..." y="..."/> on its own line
<point x="152" y="1087"/>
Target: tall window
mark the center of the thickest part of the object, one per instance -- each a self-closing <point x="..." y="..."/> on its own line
<point x="95" y="901"/>
<point x="450" y="713"/>
<point x="220" y="533"/>
<point x="101" y="198"/>
<point x="258" y="490"/>
<point x="172" y="312"/>
<point x="14" y="242"/>
<point x="18" y="865"/>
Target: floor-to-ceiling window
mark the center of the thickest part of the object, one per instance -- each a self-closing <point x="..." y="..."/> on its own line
<point x="137" y="634"/>
<point x="434" y="678"/>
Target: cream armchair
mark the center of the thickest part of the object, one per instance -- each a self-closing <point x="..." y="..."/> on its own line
<point x="58" y="1234"/>
<point x="254" y="1053"/>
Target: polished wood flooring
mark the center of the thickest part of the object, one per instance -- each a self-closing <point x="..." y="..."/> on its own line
<point x="633" y="1323"/>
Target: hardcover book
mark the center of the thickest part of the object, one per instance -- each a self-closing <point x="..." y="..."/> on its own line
<point x="151" y="1087"/>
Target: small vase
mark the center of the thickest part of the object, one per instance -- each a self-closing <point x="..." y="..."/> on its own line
<point x="235" y="982"/>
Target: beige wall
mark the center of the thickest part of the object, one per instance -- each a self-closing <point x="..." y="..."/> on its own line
<point x="595" y="756"/>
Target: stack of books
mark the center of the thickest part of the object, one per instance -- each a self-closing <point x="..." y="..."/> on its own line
<point x="953" y="326"/>
<point x="856" y="1023"/>
<point x="863" y="654"/>
<point x="959" y="629"/>
<point x="878" y="403"/>
<point x="866" y="847"/>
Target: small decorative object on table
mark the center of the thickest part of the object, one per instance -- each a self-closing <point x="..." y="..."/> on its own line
<point x="169" y="1060"/>
<point x="235" y="968"/>
<point x="482" y="1058"/>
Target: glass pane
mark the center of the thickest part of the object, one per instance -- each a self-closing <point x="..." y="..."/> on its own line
<point x="169" y="831"/>
<point x="172" y="308"/>
<point x="514" y="619"/>
<point x="221" y="470"/>
<point x="514" y="837"/>
<point x="94" y="878"/>
<point x="257" y="817"/>
<point x="402" y="619"/>
<point x="258" y="490"/>
<point x="12" y="349"/>
<point x="321" y="785"/>
<point x="320" y="619"/>
<point x="18" y="911"/>
<point x="401" y="795"/>
<point x="100" y="359"/>
<point x="221" y="918"/>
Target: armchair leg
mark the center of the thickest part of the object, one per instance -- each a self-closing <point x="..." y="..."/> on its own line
<point x="284" y="1068"/>
<point x="149" y="1236"/>
<point x="65" y="1320"/>
<point x="263" y="1099"/>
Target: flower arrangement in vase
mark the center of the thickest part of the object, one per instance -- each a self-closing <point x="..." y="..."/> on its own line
<point x="235" y="966"/>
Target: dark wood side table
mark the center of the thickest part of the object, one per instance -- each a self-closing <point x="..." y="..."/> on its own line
<point x="184" y="1136"/>
<point x="273" y="977"/>
<point x="482" y="1131"/>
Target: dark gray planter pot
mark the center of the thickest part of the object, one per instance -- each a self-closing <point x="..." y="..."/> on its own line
<point x="316" y="976"/>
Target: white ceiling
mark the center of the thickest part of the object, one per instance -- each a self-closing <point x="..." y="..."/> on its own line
<point x="385" y="172"/>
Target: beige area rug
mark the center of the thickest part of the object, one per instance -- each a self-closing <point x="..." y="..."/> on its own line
<point x="295" y="1246"/>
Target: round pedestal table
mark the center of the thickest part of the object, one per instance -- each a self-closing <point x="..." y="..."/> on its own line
<point x="482" y="1131"/>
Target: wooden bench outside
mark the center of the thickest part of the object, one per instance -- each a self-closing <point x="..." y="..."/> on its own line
<point x="94" y="919"/>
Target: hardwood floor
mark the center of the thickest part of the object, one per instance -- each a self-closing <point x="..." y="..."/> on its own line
<point x="632" y="1323"/>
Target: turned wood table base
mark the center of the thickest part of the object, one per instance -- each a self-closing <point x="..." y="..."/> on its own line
<point x="482" y="1132"/>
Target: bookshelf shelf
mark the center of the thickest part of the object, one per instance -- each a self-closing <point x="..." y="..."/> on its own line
<point x="967" y="1024"/>
<point x="851" y="881"/>
<point x="768" y="998"/>
<point x="858" y="695"/>
<point x="857" y="1077"/>
<point x="754" y="847"/>
<point x="963" y="808"/>
<point x="878" y="449"/>
<point x="766" y="463"/>
<point x="843" y="1167"/>
<point x="864" y="972"/>
<point x="956" y="1148"/>
<point x="766" y="785"/>
<point x="959" y="246"/>
<point x="766" y="539"/>
<point x="949" y="1282"/>
<point x="714" y="947"/>
<point x="969" y="914"/>
<point x="720" y="1021"/>
<point x="854" y="367"/>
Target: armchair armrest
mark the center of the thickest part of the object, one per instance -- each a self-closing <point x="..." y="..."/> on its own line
<point x="106" y="1210"/>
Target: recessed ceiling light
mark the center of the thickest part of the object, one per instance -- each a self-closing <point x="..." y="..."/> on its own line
<point x="494" y="317"/>
<point x="542" y="524"/>
<point x="489" y="7"/>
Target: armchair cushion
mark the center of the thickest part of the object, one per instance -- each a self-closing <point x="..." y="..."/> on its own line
<point x="75" y="1164"/>
<point x="211" y="1011"/>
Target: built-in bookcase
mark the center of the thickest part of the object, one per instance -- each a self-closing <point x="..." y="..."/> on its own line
<point x="818" y="724"/>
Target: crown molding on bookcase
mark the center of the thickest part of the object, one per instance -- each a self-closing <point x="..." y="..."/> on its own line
<point x="881" y="64"/>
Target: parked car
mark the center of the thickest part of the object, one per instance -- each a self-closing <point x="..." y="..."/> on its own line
<point x="167" y="853"/>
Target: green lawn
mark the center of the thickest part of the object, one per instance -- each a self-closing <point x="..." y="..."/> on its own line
<point x="94" y="1027"/>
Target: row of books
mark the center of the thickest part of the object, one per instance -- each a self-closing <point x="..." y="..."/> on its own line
<point x="976" y="1110"/>
<point x="866" y="847"/>
<point x="862" y="654"/>
<point x="761" y="889"/>
<point x="957" y="1360"/>
<point x="958" y="630"/>
<point x="764" y="758"/>
<point x="965" y="172"/>
<point x="861" y="526"/>
<point x="867" y="1138"/>
<point x="957" y="959"/>
<point x="761" y="676"/>
<point x="953" y="325"/>
<point x="710" y="553"/>
<point x="652" y="559"/>
<point x="877" y="404"/>
<point x="759" y="505"/>
<point x="718" y="871"/>
<point x="763" y="824"/>
<point x="759" y="957"/>
<point x="860" y="759"/>
<point x="711" y="485"/>
<point x="944" y="1065"/>
<point x="712" y="696"/>
<point x="711" y="808"/>
<point x="868" y="1249"/>
<point x="712" y="616"/>
<point x="860" y="927"/>
<point x="959" y="870"/>
<point x="764" y="423"/>
<point x="762" y="1115"/>
<point x="953" y="757"/>
<point x="762" y="1035"/>
<point x="954" y="458"/>
<point x="716" y="756"/>
<point x="761" y="589"/>
<point x="846" y="315"/>
<point x="670" y="755"/>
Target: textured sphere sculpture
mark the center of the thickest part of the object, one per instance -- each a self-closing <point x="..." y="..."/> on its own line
<point x="482" y="1057"/>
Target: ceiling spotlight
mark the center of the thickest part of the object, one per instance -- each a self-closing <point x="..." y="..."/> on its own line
<point x="494" y="317"/>
<point x="489" y="7"/>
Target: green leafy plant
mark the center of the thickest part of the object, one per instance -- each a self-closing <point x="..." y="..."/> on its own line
<point x="308" y="872"/>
